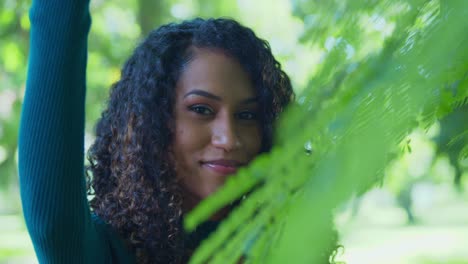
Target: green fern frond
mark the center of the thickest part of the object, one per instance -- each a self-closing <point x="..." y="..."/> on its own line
<point x="353" y="115"/>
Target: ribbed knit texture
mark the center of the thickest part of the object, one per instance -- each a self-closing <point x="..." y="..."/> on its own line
<point x="51" y="141"/>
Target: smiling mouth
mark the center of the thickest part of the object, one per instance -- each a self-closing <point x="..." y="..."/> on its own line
<point x="223" y="167"/>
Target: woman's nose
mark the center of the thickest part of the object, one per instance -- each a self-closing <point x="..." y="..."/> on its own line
<point x="224" y="134"/>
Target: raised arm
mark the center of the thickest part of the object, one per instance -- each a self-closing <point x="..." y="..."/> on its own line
<point x="51" y="140"/>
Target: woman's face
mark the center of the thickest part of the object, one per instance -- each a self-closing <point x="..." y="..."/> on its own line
<point x="217" y="127"/>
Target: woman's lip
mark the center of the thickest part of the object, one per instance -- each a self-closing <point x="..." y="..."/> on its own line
<point x="224" y="162"/>
<point x="221" y="168"/>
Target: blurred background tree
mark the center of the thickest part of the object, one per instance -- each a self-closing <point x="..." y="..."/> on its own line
<point x="14" y="35"/>
<point x="299" y="41"/>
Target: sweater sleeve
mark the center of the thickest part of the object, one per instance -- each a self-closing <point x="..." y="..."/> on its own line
<point x="51" y="138"/>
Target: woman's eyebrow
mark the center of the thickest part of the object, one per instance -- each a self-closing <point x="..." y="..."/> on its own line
<point x="217" y="98"/>
<point x="204" y="94"/>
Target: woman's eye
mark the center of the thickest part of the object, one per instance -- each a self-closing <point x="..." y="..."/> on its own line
<point x="201" y="109"/>
<point x="247" y="115"/>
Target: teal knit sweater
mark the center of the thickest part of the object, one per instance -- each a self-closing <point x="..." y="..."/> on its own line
<point x="51" y="141"/>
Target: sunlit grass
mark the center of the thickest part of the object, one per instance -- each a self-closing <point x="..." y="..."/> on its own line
<point x="404" y="243"/>
<point x="379" y="232"/>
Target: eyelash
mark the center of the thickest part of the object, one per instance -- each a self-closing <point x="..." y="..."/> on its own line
<point x="200" y="109"/>
<point x="204" y="110"/>
<point x="252" y="115"/>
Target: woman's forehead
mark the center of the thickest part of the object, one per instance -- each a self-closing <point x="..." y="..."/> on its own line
<point x="215" y="72"/>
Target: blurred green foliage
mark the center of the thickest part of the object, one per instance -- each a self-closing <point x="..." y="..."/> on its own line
<point x="14" y="27"/>
<point x="367" y="74"/>
<point x="371" y="90"/>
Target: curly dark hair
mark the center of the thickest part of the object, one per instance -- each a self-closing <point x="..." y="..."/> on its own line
<point x="131" y="171"/>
